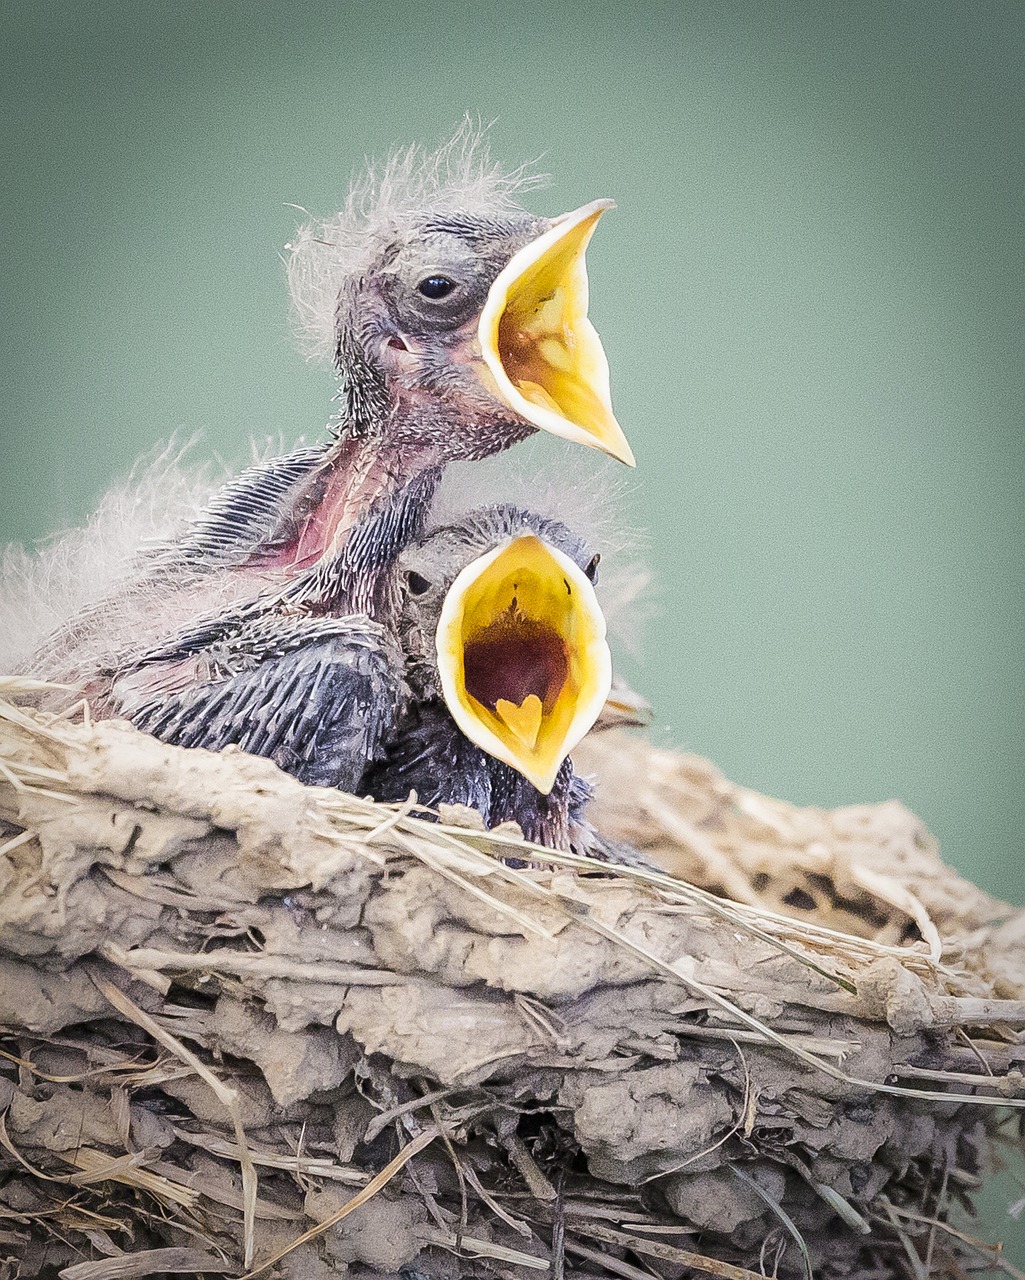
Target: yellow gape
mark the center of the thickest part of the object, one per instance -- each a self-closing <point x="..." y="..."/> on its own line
<point x="539" y="345"/>
<point x="524" y="665"/>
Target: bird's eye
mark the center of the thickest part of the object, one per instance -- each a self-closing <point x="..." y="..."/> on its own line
<point x="417" y="583"/>
<point x="436" y="287"/>
<point x="591" y="572"/>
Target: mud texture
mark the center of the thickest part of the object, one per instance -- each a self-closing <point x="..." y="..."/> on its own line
<point x="231" y="1004"/>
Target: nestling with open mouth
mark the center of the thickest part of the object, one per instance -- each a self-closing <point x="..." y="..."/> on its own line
<point x="458" y="325"/>
<point x="507" y="668"/>
<point x="496" y="666"/>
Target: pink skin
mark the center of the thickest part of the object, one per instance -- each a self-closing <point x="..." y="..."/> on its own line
<point x="357" y="472"/>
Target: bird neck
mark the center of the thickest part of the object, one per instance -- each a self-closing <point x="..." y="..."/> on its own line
<point x="367" y="511"/>
<point x="356" y="475"/>
<point x="452" y="427"/>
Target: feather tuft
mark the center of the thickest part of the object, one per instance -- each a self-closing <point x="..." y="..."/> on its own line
<point x="44" y="587"/>
<point x="387" y="199"/>
<point x="81" y="598"/>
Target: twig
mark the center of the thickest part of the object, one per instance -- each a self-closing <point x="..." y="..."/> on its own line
<point x="780" y="1213"/>
<point x="226" y="1095"/>
<point x="384" y="1118"/>
<point x="559" y="1228"/>
<point x="667" y="1253"/>
<point x="369" y="1191"/>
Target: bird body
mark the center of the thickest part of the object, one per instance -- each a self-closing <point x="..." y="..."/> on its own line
<point x="461" y="736"/>
<point x="282" y="674"/>
<point x="316" y="696"/>
<point x="429" y="756"/>
<point x="280" y="619"/>
<point x="483" y="715"/>
<point x="458" y="325"/>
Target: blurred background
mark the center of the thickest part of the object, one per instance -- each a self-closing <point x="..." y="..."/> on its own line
<point x="811" y="296"/>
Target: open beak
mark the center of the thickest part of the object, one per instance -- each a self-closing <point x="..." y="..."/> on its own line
<point x="539" y="345"/>
<point x="522" y="656"/>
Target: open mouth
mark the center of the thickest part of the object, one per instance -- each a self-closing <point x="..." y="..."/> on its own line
<point x="524" y="665"/>
<point x="541" y="349"/>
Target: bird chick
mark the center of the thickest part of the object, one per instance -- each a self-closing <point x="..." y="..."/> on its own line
<point x="457" y="323"/>
<point x="507" y="668"/>
<point x="494" y="667"/>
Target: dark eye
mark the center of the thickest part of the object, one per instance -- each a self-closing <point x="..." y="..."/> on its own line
<point x="417" y="584"/>
<point x="435" y="287"/>
<point x="591" y="572"/>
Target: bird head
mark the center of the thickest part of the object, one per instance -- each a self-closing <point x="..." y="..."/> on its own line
<point x="454" y="317"/>
<point x="500" y="620"/>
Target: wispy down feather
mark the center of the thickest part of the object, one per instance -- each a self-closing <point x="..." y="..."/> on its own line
<point x="389" y="199"/>
<point x="90" y="585"/>
<point x="44" y="587"/>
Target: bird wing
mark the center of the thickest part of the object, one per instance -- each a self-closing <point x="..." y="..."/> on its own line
<point x="251" y="513"/>
<point x="316" y="696"/>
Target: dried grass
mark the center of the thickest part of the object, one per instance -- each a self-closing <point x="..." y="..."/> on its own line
<point x="257" y="1029"/>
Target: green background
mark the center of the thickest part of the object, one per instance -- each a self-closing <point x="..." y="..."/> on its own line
<point x="811" y="296"/>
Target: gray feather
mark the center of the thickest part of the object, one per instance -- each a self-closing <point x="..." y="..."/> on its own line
<point x="315" y="696"/>
<point x="249" y="513"/>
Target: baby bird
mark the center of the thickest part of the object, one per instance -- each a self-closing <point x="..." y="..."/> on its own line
<point x="458" y="325"/>
<point x="495" y="667"/>
<point x="507" y="668"/>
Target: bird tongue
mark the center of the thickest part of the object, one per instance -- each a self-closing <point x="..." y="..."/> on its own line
<point x="523" y="721"/>
<point x="512" y="657"/>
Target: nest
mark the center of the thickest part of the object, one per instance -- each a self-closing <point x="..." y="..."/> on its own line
<point x="257" y="1029"/>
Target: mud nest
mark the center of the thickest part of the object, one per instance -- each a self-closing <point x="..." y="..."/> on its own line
<point x="257" y="1029"/>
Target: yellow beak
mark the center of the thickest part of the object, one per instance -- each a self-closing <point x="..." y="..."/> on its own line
<point x="524" y="665"/>
<point x="540" y="347"/>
